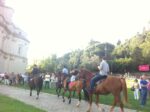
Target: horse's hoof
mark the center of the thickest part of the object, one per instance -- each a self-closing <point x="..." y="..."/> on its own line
<point x="111" y="110"/>
<point x="103" y="110"/>
<point x="77" y="105"/>
<point x="69" y="102"/>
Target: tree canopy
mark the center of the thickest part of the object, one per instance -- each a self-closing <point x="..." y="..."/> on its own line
<point x="122" y="57"/>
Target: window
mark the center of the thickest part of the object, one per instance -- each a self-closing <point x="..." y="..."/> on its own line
<point x="19" y="50"/>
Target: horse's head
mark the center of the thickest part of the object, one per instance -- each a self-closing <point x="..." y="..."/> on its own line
<point x="74" y="72"/>
<point x="85" y="74"/>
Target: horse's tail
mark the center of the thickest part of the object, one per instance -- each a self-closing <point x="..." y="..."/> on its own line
<point x="124" y="87"/>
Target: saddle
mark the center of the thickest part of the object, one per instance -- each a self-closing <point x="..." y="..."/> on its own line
<point x="100" y="81"/>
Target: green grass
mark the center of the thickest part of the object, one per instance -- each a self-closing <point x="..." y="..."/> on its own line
<point x="8" y="104"/>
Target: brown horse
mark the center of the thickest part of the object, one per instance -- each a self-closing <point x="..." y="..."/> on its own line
<point x="75" y="86"/>
<point x="36" y="83"/>
<point x="112" y="84"/>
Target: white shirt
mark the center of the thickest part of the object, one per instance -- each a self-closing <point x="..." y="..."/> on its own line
<point x="47" y="77"/>
<point x="73" y="78"/>
<point x="104" y="68"/>
<point x="65" y="71"/>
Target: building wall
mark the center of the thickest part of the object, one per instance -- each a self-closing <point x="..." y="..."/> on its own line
<point x="13" y="44"/>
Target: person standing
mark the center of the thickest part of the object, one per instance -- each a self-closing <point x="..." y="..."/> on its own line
<point x="47" y="80"/>
<point x="104" y="70"/>
<point x="136" y="89"/>
<point x="143" y="83"/>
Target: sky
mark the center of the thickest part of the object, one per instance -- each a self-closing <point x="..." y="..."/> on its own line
<point x="61" y="26"/>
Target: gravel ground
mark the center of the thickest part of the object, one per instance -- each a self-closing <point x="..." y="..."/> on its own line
<point x="50" y="103"/>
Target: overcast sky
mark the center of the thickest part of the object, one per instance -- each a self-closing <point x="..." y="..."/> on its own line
<point x="60" y="26"/>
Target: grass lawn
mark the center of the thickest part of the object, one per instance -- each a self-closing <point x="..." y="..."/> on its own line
<point x="11" y="105"/>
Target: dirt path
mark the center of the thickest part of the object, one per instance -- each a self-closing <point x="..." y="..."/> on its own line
<point x="48" y="102"/>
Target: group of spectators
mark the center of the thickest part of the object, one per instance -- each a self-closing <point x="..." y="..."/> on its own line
<point x="142" y="86"/>
<point x="13" y="78"/>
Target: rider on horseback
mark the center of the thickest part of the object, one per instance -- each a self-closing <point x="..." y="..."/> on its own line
<point x="65" y="73"/>
<point x="35" y="71"/>
<point x="104" y="70"/>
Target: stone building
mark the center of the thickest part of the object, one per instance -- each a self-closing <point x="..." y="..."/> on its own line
<point x="13" y="43"/>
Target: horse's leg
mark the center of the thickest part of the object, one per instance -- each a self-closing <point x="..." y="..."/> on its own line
<point x="63" y="95"/>
<point x="69" y="97"/>
<point x="60" y="90"/>
<point x="30" y="91"/>
<point x="57" y="91"/>
<point x="79" y="95"/>
<point x="38" y="91"/>
<point x="117" y="99"/>
<point x="74" y="93"/>
<point x="120" y="103"/>
<point x="114" y="104"/>
<point x="121" y="106"/>
<point x="65" y="89"/>
<point x="90" y="102"/>
<point x="97" y="103"/>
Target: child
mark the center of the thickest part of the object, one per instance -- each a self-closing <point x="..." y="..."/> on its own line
<point x="136" y="91"/>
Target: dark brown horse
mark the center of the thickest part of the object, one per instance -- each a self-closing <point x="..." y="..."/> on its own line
<point x="36" y="83"/>
<point x="112" y="84"/>
<point x="59" y="86"/>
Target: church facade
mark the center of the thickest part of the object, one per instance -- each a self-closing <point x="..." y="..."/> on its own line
<point x="13" y="43"/>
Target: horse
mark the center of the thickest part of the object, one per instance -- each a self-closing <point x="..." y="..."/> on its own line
<point x="35" y="83"/>
<point x="75" y="86"/>
<point x="112" y="84"/>
<point x="58" y="77"/>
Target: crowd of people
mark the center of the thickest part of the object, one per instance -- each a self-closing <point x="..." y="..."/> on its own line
<point x="13" y="78"/>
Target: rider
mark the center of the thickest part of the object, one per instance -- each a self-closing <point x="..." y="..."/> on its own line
<point x="104" y="70"/>
<point x="74" y="73"/>
<point x="65" y="72"/>
<point x="35" y="71"/>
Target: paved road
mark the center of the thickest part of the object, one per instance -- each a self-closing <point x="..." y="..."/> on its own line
<point x="48" y="102"/>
